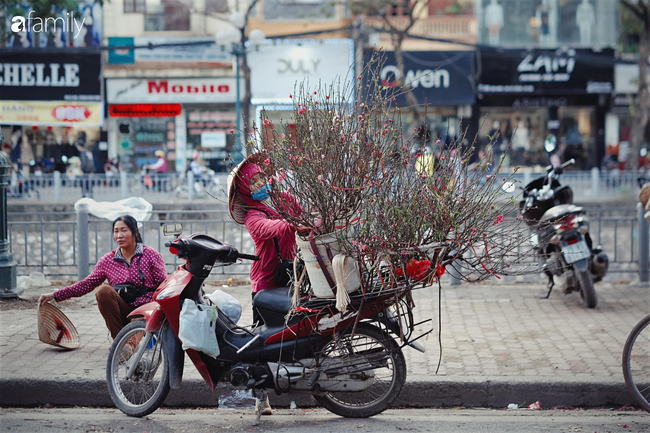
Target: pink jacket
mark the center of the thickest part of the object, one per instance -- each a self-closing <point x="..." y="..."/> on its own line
<point x="263" y="230"/>
<point x="113" y="267"/>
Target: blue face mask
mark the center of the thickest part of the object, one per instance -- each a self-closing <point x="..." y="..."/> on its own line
<point x="262" y="193"/>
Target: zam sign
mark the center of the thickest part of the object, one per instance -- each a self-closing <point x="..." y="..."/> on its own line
<point x="50" y="77"/>
<point x="536" y="69"/>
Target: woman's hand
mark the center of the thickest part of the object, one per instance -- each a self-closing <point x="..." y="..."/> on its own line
<point x="45" y="298"/>
<point x="303" y="230"/>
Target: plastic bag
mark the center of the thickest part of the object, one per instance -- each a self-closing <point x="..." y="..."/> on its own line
<point x="228" y="305"/>
<point x="137" y="207"/>
<point x="197" y="328"/>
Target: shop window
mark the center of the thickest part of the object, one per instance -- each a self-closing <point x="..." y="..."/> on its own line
<point x="166" y="15"/>
<point x="400" y="8"/>
<point x="134" y="6"/>
<point x="216" y="7"/>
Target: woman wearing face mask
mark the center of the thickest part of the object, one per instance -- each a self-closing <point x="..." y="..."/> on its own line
<point x="133" y="268"/>
<point x="249" y="202"/>
<point x="248" y="197"/>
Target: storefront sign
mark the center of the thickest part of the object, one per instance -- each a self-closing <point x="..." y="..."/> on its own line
<point x="547" y="72"/>
<point x="627" y="78"/>
<point x="278" y="71"/>
<point x="51" y="113"/>
<point x="436" y="77"/>
<point x="207" y="53"/>
<point x="43" y="76"/>
<point x="213" y="139"/>
<point x="145" y="110"/>
<point x="177" y="90"/>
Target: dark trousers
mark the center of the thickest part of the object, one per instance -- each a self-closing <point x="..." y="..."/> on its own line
<point x="86" y="186"/>
<point x="256" y="314"/>
<point x="113" y="308"/>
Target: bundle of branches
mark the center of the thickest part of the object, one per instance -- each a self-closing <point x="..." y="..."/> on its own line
<point x="384" y="195"/>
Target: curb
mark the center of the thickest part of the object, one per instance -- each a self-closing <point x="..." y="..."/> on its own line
<point x="443" y="392"/>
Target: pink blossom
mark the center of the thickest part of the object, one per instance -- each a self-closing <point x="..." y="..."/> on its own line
<point x="488" y="176"/>
<point x="266" y="161"/>
<point x="322" y="156"/>
<point x="462" y="163"/>
<point x="327" y="97"/>
<point x="499" y="219"/>
<point x="362" y="105"/>
<point x="290" y="96"/>
<point x="385" y="125"/>
<point x="315" y="93"/>
<point x="319" y="177"/>
<point x="437" y="141"/>
<point x="282" y="135"/>
<point x="303" y="110"/>
<point x="359" y="77"/>
<point x="360" y="117"/>
<point x="267" y="122"/>
<point x="232" y="131"/>
<point x="442" y="158"/>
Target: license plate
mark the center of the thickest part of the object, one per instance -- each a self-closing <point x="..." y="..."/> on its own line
<point x="576" y="252"/>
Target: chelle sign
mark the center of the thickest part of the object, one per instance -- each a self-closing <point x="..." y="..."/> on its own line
<point x="177" y="90"/>
<point x="50" y="76"/>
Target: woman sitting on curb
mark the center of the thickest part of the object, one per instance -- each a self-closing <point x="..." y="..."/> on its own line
<point x="134" y="269"/>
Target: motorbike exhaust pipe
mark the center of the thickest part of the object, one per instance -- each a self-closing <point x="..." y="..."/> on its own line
<point x="600" y="264"/>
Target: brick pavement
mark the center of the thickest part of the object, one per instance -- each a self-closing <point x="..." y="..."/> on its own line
<point x="488" y="331"/>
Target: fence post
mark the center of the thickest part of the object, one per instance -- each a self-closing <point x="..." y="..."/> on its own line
<point x="83" y="249"/>
<point x="190" y="185"/>
<point x="57" y="186"/>
<point x="595" y="182"/>
<point x="124" y="188"/>
<point x="644" y="246"/>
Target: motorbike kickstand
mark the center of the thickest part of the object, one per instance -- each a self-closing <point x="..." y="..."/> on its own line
<point x="550" y="289"/>
<point x="262" y="395"/>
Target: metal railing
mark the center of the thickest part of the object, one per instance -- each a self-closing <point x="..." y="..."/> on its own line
<point x="60" y="188"/>
<point x="66" y="244"/>
<point x="165" y="187"/>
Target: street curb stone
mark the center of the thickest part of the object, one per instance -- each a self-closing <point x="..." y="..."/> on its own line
<point x="442" y="392"/>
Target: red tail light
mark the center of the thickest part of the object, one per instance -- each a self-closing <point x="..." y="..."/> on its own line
<point x="567" y="223"/>
<point x="173" y="250"/>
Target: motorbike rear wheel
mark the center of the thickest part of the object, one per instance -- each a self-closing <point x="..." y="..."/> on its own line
<point x="587" y="290"/>
<point x="389" y="375"/>
<point x="145" y="391"/>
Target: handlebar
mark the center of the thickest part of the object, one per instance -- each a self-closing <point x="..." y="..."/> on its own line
<point x="248" y="256"/>
<point x="572" y="161"/>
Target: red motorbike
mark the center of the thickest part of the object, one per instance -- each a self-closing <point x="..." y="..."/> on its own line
<point x="349" y="361"/>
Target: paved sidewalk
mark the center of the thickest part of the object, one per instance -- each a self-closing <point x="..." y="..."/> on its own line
<point x="501" y="344"/>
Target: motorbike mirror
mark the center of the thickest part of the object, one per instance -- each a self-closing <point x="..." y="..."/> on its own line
<point x="550" y="143"/>
<point x="172" y="229"/>
<point x="508" y="187"/>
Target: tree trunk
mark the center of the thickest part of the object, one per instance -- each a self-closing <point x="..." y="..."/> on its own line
<point x="246" y="103"/>
<point x="408" y="93"/>
<point x="642" y="109"/>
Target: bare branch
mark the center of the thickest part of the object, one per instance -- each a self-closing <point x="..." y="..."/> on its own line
<point x="639" y="12"/>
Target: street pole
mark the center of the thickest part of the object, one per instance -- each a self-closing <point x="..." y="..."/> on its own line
<point x="7" y="264"/>
<point x="236" y="53"/>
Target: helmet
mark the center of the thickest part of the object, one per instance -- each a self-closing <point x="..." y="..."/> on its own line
<point x="159" y="153"/>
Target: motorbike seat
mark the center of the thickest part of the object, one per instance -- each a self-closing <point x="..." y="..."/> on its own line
<point x="558" y="212"/>
<point x="277" y="300"/>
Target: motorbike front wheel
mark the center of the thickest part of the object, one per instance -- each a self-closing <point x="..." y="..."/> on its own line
<point x="587" y="290"/>
<point x="148" y="387"/>
<point x="369" y="351"/>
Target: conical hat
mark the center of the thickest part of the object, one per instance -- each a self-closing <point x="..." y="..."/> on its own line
<point x="55" y="328"/>
<point x="236" y="204"/>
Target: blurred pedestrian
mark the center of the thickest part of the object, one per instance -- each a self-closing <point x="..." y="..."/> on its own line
<point x="87" y="167"/>
<point x="160" y="166"/>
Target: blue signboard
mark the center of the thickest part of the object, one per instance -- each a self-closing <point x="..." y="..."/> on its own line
<point x="437" y="78"/>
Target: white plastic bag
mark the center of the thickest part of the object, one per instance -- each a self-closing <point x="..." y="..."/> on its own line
<point x="196" y="329"/>
<point x="227" y="303"/>
<point x="137" y="207"/>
